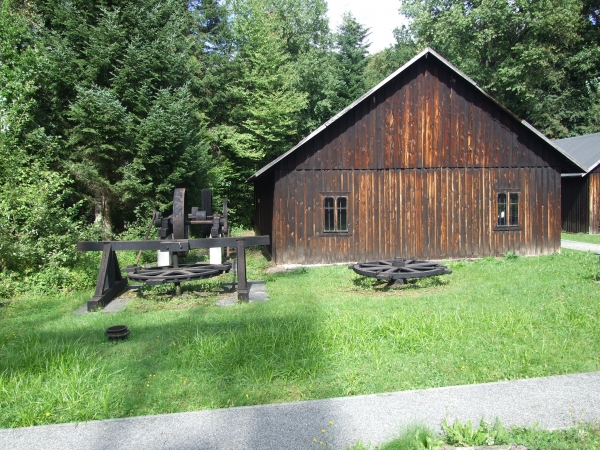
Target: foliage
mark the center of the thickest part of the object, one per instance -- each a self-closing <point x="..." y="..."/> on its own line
<point x="416" y="437"/>
<point x="351" y="58"/>
<point x="581" y="437"/>
<point x="464" y="434"/>
<point x="114" y="92"/>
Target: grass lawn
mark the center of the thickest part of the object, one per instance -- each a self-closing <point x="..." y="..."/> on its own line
<point x="326" y="332"/>
<point x="582" y="437"/>
<point x="581" y="237"/>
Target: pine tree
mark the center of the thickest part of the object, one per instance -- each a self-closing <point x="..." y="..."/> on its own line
<point x="351" y="56"/>
<point x="115" y="94"/>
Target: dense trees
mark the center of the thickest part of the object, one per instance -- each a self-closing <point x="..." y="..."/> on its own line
<point x="106" y="106"/>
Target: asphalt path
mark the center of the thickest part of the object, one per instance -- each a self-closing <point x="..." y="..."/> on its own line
<point x="551" y="402"/>
<point x="583" y="246"/>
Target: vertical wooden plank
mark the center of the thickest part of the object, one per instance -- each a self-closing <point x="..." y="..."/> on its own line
<point x="347" y="143"/>
<point x="427" y="148"/>
<point x="400" y="249"/>
<point x="355" y="224"/>
<point x="311" y="216"/>
<point x="469" y="206"/>
<point x="463" y="207"/>
<point x="285" y="248"/>
<point x="407" y="195"/>
<point x="424" y="213"/>
<point x="454" y="115"/>
<point x="446" y="112"/>
<point x="544" y="205"/>
<point x="420" y="115"/>
<point x="370" y="213"/>
<point x="594" y="202"/>
<point x="444" y="238"/>
<point x="301" y="216"/>
<point x="551" y="212"/>
<point x="328" y="150"/>
<point x="477" y="216"/>
<point x="379" y="144"/>
<point x="394" y="228"/>
<point x="397" y="115"/>
<point x="371" y="131"/>
<point x="436" y="131"/>
<point x="388" y="129"/>
<point x="434" y="225"/>
<point x="521" y="232"/>
<point x="407" y="123"/>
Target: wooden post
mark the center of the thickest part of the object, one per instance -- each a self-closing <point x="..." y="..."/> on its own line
<point x="110" y="282"/>
<point x="242" y="285"/>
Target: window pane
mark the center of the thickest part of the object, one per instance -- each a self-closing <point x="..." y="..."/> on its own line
<point x="342" y="214"/>
<point x="514" y="209"/>
<point x="501" y="209"/>
<point x="329" y="211"/>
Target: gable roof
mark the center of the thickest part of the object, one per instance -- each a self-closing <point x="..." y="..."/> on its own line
<point x="583" y="149"/>
<point x="424" y="53"/>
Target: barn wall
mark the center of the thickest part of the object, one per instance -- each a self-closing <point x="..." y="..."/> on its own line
<point x="264" y="198"/>
<point x="419" y="159"/>
<point x="594" y="201"/>
<point x="425" y="213"/>
<point x="576" y="204"/>
<point x="427" y="117"/>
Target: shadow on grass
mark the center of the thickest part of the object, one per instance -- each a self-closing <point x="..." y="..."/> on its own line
<point x="373" y="284"/>
<point x="173" y="361"/>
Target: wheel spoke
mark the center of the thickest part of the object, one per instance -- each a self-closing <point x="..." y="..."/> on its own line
<point x="399" y="269"/>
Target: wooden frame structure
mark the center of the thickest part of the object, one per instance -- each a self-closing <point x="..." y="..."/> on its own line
<point x="110" y="282"/>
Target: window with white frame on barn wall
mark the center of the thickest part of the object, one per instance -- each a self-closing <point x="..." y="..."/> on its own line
<point x="335" y="209"/>
<point x="507" y="206"/>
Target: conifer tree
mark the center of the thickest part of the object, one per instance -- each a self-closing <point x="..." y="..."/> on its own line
<point x="351" y="57"/>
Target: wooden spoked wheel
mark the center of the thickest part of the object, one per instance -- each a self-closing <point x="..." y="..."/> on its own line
<point x="171" y="274"/>
<point x="400" y="269"/>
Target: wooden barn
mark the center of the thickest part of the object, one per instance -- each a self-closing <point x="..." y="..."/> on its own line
<point x="581" y="191"/>
<point x="425" y="165"/>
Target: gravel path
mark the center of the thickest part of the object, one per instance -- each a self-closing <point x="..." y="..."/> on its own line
<point x="552" y="402"/>
<point x="583" y="246"/>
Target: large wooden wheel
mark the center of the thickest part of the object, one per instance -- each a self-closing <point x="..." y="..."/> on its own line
<point x="179" y="227"/>
<point x="400" y="269"/>
<point x="171" y="274"/>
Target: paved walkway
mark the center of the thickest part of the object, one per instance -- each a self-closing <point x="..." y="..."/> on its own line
<point x="552" y="402"/>
<point x="584" y="246"/>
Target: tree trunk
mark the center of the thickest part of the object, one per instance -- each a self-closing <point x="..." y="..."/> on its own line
<point x="102" y="214"/>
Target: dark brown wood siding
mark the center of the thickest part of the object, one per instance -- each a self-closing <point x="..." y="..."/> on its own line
<point x="427" y="117"/>
<point x="575" y="204"/>
<point x="264" y="207"/>
<point x="423" y="213"/>
<point x="594" y="200"/>
<point x="421" y="161"/>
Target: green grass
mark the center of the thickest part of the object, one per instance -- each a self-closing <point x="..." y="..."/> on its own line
<point x="326" y="332"/>
<point x="582" y="437"/>
<point x="581" y="237"/>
